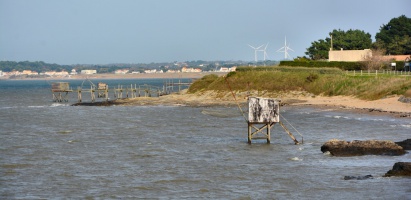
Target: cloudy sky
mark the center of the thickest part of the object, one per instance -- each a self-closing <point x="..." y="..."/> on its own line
<point x="145" y="31"/>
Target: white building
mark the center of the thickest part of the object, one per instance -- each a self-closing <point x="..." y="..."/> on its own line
<point x="150" y="71"/>
<point x="121" y="71"/>
<point x="88" y="71"/>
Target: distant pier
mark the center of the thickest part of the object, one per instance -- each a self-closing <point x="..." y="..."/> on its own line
<point x="61" y="90"/>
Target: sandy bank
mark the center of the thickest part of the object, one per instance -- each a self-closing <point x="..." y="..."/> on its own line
<point x="386" y="106"/>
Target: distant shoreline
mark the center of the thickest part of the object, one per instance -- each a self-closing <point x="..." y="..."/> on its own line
<point x="193" y="75"/>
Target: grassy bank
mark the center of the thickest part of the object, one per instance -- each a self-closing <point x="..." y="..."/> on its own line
<point x="318" y="81"/>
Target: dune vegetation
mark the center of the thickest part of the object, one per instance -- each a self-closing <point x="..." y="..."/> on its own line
<point x="318" y="81"/>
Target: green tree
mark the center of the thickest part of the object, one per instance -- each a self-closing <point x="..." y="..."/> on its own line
<point x="395" y="37"/>
<point x="348" y="40"/>
<point x="318" y="49"/>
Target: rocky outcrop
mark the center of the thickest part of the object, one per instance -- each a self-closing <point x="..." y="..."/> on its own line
<point x="406" y="144"/>
<point x="359" y="148"/>
<point x="404" y="99"/>
<point x="400" y="169"/>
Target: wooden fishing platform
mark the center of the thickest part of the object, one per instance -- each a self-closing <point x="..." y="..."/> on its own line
<point x="61" y="90"/>
<point x="264" y="112"/>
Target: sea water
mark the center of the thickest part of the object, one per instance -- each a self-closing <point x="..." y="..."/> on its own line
<point x="54" y="150"/>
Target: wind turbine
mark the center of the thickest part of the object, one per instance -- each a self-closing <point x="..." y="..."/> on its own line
<point x="255" y="51"/>
<point x="285" y="49"/>
<point x="265" y="51"/>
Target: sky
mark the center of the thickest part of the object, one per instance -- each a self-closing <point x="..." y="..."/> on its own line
<point x="146" y="31"/>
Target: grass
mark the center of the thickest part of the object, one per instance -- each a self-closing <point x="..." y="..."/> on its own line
<point x="324" y="81"/>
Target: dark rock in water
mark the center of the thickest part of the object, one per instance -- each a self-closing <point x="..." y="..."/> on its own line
<point x="102" y="103"/>
<point x="406" y="144"/>
<point x="358" y="177"/>
<point x="359" y="148"/>
<point x="400" y="169"/>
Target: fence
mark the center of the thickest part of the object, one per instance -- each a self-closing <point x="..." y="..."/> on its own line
<point x="377" y="73"/>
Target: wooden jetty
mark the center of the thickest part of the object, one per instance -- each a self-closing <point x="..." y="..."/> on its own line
<point x="60" y="90"/>
<point x="264" y="112"/>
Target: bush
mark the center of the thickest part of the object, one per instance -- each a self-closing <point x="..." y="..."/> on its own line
<point x="202" y="83"/>
<point x="332" y="64"/>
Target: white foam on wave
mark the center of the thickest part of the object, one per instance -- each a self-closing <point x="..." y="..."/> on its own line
<point x="58" y="104"/>
<point x="296" y="159"/>
<point x="36" y="106"/>
<point x="8" y="107"/>
<point x="406" y="125"/>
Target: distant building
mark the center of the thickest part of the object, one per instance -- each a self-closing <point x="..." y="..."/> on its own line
<point x="172" y="71"/>
<point x="150" y="71"/>
<point x="73" y="72"/>
<point x="62" y="73"/>
<point x="186" y="69"/>
<point x="360" y="55"/>
<point x="121" y="71"/>
<point x="88" y="71"/>
<point x="396" y="57"/>
<point x="349" y="55"/>
<point x="226" y="69"/>
<point x="50" y="73"/>
<point x="29" y="72"/>
<point x="1" y="73"/>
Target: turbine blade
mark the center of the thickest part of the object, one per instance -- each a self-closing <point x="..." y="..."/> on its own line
<point x="252" y="47"/>
<point x="260" y="46"/>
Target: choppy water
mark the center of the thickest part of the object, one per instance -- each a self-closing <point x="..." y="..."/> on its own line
<point x="50" y="150"/>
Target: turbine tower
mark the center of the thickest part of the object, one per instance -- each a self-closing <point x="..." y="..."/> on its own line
<point x="265" y="51"/>
<point x="285" y="49"/>
<point x="255" y="51"/>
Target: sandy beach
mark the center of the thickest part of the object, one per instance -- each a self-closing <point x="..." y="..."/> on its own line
<point x="386" y="106"/>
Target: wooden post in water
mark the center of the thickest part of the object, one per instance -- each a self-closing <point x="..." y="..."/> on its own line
<point x="93" y="97"/>
<point x="79" y="94"/>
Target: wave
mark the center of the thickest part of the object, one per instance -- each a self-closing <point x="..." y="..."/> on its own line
<point x="220" y="113"/>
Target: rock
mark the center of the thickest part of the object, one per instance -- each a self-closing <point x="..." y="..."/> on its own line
<point x="358" y="177"/>
<point x="406" y="144"/>
<point x="400" y="169"/>
<point x="359" y="148"/>
<point x="404" y="99"/>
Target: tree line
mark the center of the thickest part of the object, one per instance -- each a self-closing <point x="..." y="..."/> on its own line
<point x="394" y="38"/>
